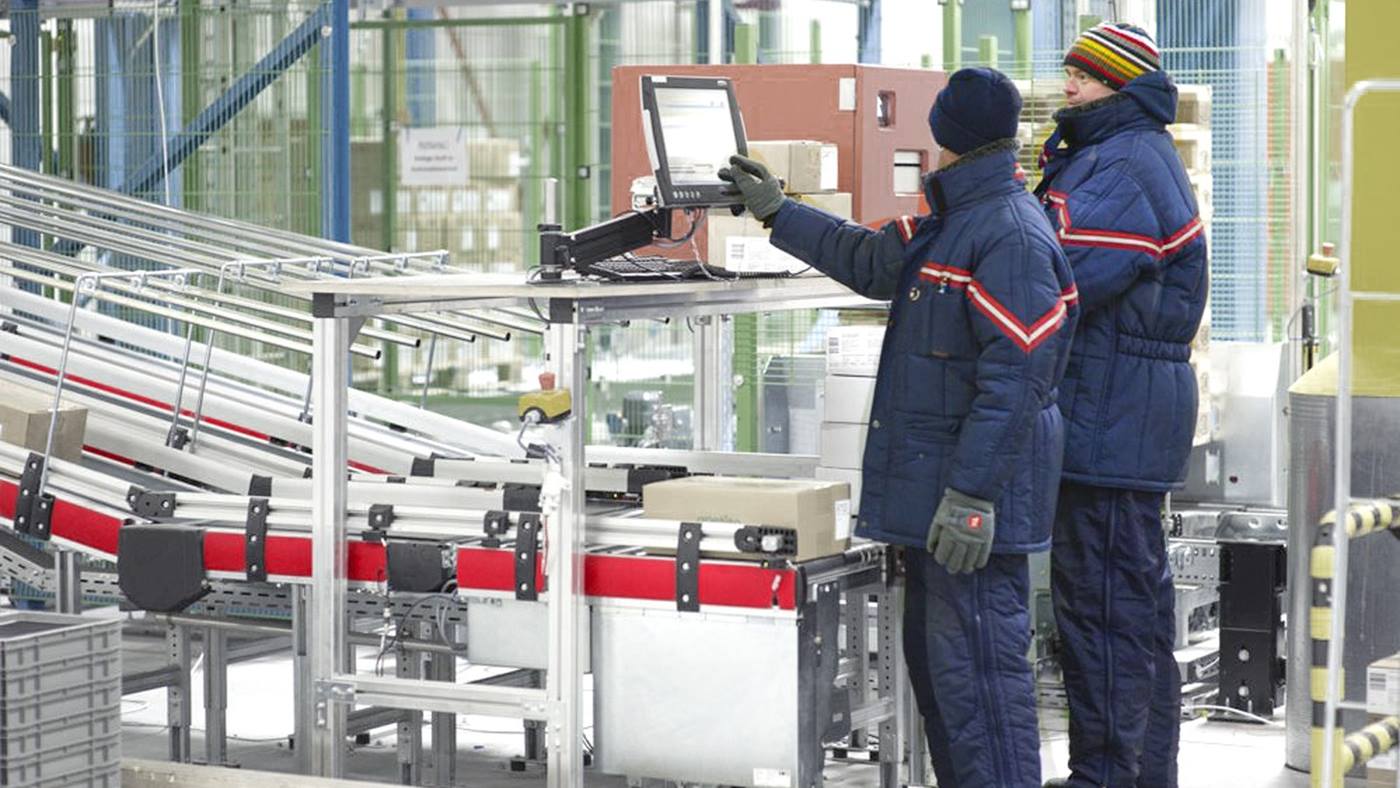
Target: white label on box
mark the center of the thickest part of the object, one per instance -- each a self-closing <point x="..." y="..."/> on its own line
<point x="772" y="778"/>
<point x="433" y="157"/>
<point x="376" y="202"/>
<point x="1385" y="761"/>
<point x="846" y="94"/>
<point x="843" y="519"/>
<point x="854" y="350"/>
<point x="829" y="161"/>
<point x="1383" y="690"/>
<point x="756" y="253"/>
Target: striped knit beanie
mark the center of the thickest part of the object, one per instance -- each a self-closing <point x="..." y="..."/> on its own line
<point x="1114" y="53"/>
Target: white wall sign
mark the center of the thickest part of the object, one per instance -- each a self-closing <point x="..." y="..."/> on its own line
<point x="433" y="156"/>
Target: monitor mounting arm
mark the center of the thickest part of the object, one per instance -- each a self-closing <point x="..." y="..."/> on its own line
<point x="560" y="251"/>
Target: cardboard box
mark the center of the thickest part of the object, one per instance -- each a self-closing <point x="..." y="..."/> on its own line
<point x="24" y="421"/>
<point x="1193" y="144"/>
<point x="854" y="350"/>
<point x="1193" y="104"/>
<point x="804" y="166"/>
<point x="838" y="203"/>
<point x="842" y="446"/>
<point x="740" y="243"/>
<point x="1383" y="686"/>
<point x="819" y="510"/>
<point x="847" y="476"/>
<point x="846" y="399"/>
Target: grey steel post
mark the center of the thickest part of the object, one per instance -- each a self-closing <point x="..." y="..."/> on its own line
<point x="564" y="534"/>
<point x="68" y="593"/>
<point x="178" y="710"/>
<point x="303" y="697"/>
<point x="410" y="730"/>
<point x="858" y="649"/>
<point x="713" y="392"/>
<point x="443" y="667"/>
<point x="215" y="696"/>
<point x="330" y="373"/>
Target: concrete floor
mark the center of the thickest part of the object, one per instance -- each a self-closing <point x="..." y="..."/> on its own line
<point x="1213" y="754"/>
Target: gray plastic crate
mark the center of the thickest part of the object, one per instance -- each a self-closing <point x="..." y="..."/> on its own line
<point x="60" y="700"/>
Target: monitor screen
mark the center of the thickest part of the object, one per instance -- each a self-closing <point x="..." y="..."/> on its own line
<point x="693" y="127"/>
<point x="699" y="133"/>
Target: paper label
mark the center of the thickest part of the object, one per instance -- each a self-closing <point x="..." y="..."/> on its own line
<point x="1383" y="690"/>
<point x="433" y="156"/>
<point x="755" y="253"/>
<point x="772" y="778"/>
<point x="843" y="519"/>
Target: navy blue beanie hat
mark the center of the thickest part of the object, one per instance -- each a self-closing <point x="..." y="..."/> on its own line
<point x="977" y="107"/>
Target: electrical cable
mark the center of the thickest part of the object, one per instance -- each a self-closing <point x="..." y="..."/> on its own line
<point x="1228" y="710"/>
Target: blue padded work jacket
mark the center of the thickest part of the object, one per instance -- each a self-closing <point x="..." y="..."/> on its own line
<point x="1122" y="206"/>
<point x="983" y="307"/>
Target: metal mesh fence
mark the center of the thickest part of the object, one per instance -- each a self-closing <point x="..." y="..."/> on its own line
<point x="521" y="94"/>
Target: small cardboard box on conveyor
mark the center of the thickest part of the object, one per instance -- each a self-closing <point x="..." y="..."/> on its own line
<point x="820" y="511"/>
<point x="24" y="421"/>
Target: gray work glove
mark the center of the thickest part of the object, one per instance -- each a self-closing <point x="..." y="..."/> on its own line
<point x="760" y="190"/>
<point x="960" y="537"/>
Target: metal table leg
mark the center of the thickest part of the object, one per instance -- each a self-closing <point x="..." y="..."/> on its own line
<point x="563" y="683"/>
<point x="330" y="376"/>
<point x="302" y="721"/>
<point x="215" y="695"/>
<point x="68" y="596"/>
<point x="443" y="667"/>
<point x="177" y="698"/>
<point x="410" y="730"/>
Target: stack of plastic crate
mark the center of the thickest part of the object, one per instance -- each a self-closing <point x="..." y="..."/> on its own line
<point x="60" y="700"/>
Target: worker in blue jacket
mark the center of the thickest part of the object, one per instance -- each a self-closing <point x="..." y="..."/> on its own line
<point x="1122" y="206"/>
<point x="962" y="457"/>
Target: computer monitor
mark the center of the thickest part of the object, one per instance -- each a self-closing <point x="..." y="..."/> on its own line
<point x="692" y="127"/>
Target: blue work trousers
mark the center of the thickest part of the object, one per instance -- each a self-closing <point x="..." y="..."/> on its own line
<point x="1114" y="607"/>
<point x="966" y="637"/>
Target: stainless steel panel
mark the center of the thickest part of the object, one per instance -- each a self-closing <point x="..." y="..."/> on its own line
<point x="1372" y="626"/>
<point x="1245" y="462"/>
<point x="512" y="633"/>
<point x="731" y="690"/>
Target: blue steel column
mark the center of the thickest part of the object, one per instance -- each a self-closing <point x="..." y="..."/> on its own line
<point x="420" y="54"/>
<point x="868" y="34"/>
<point x="26" y="148"/>
<point x="335" y="119"/>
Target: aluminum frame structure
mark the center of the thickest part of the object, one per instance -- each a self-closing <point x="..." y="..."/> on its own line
<point x="1347" y="298"/>
<point x="571" y="310"/>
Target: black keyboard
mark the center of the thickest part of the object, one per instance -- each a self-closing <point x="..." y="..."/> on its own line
<point x="654" y="268"/>
<point x="649" y="267"/>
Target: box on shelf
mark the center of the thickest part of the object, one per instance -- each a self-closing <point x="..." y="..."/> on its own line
<point x="804" y="166"/>
<point x="1193" y="104"/>
<point x="820" y="511"/>
<point x="847" y="475"/>
<point x="24" y="421"/>
<point x="846" y="399"/>
<point x="1193" y="144"/>
<point x="854" y="350"/>
<point x="740" y="243"/>
<point x="838" y="203"/>
<point x="842" y="445"/>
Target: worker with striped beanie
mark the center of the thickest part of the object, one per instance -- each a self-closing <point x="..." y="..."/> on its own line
<point x="1119" y="199"/>
<point x="1114" y="53"/>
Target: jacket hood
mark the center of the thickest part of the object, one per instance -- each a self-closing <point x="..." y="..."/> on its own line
<point x="1156" y="94"/>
